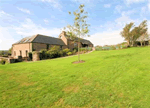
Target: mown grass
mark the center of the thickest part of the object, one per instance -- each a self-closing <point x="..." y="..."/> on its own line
<point x="108" y="79"/>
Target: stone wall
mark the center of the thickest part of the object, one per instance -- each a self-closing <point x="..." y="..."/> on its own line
<point x="35" y="56"/>
<point x="24" y="48"/>
<point x="38" y="46"/>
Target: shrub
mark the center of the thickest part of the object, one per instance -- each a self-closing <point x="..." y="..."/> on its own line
<point x="89" y="48"/>
<point x="54" y="52"/>
<point x="3" y="61"/>
<point x="43" y="53"/>
<point x="19" y="58"/>
<point x="98" y="48"/>
<point x="30" y="56"/>
<point x="65" y="51"/>
<point x="69" y="53"/>
<point x="84" y="51"/>
<point x="74" y="51"/>
<point x="75" y="48"/>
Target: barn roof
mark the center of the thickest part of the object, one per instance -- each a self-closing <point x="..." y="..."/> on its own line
<point x="41" y="39"/>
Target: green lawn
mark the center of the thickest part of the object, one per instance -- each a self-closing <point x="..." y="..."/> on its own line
<point x="108" y="79"/>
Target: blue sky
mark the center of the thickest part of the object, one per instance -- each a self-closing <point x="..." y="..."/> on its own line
<point x="21" y="18"/>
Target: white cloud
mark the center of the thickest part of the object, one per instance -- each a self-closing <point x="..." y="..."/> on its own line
<point x="6" y="38"/>
<point x="118" y="9"/>
<point x="2" y="13"/>
<point x="53" y="3"/>
<point x="106" y="38"/>
<point x="9" y="35"/>
<point x="46" y="21"/>
<point x="149" y="5"/>
<point x="107" y="5"/>
<point x="24" y="10"/>
<point x="128" y="2"/>
<point x="128" y="13"/>
<point x="28" y="28"/>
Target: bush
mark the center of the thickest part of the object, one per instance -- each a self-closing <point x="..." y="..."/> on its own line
<point x="30" y="56"/>
<point x="19" y="58"/>
<point x="69" y="53"/>
<point x="89" y="48"/>
<point x="65" y="51"/>
<point x="43" y="53"/>
<point x="86" y="49"/>
<point x="3" y="61"/>
<point x="75" y="48"/>
<point x="74" y="51"/>
<point x="98" y="48"/>
<point x="54" y="52"/>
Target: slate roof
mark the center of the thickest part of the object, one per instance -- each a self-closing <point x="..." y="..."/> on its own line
<point x="83" y="41"/>
<point x="41" y="39"/>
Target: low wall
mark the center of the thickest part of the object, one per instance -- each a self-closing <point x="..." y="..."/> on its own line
<point x="9" y="60"/>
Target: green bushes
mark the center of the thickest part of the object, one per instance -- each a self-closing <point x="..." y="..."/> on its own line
<point x="56" y="52"/>
<point x="69" y="53"/>
<point x="65" y="51"/>
<point x="86" y="49"/>
<point x="74" y="51"/>
<point x="30" y="56"/>
<point x="98" y="48"/>
<point x="43" y="53"/>
<point x="4" y="53"/>
<point x="2" y="61"/>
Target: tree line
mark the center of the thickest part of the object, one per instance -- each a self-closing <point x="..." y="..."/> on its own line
<point x="131" y="33"/>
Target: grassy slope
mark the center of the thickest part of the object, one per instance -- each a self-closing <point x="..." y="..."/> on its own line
<point x="110" y="79"/>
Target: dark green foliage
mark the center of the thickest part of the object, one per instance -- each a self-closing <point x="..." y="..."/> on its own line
<point x="3" y="61"/>
<point x="54" y="52"/>
<point x="30" y="56"/>
<point x="43" y="54"/>
<point x="65" y="51"/>
<point x="5" y="53"/>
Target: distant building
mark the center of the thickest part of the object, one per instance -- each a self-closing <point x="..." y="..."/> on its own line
<point x="38" y="42"/>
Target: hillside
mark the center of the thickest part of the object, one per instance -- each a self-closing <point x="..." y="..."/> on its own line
<point x="110" y="79"/>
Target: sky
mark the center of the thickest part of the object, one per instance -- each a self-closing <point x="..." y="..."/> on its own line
<point x="22" y="18"/>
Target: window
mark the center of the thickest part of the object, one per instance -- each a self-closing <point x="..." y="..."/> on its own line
<point x="26" y="53"/>
<point x="47" y="47"/>
<point x="20" y="53"/>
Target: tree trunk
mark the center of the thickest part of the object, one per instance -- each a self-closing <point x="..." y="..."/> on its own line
<point x="132" y="43"/>
<point x="141" y="43"/>
<point x="144" y="43"/>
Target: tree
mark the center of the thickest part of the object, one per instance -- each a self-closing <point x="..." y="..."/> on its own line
<point x="143" y="31"/>
<point x="126" y="33"/>
<point x="10" y="50"/>
<point x="131" y="35"/>
<point x="80" y="28"/>
<point x="134" y="35"/>
<point x="140" y="32"/>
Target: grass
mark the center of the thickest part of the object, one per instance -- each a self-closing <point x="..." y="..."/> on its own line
<point x="108" y="79"/>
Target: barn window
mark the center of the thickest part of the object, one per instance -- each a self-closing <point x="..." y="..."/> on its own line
<point x="47" y="46"/>
<point x="20" y="53"/>
<point x="26" y="53"/>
